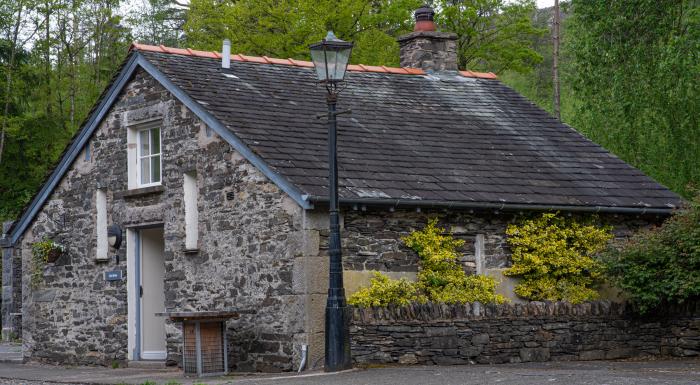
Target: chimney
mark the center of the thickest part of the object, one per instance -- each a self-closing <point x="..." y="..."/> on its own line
<point x="226" y="54"/>
<point x="426" y="48"/>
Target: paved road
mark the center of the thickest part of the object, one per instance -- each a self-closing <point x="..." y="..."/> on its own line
<point x="686" y="372"/>
<point x="583" y="373"/>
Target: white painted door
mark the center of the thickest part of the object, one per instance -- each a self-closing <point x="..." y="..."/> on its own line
<point x="152" y="295"/>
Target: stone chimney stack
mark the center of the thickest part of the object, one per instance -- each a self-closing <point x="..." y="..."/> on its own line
<point x="426" y="48"/>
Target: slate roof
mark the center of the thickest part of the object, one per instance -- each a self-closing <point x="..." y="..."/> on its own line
<point x="442" y="139"/>
<point x="460" y="139"/>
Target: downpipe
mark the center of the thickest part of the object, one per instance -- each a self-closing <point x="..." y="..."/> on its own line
<point x="304" y="356"/>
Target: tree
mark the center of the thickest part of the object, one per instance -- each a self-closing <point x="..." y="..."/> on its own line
<point x="286" y="28"/>
<point x="160" y="22"/>
<point x="493" y="34"/>
<point x="16" y="33"/>
<point x="635" y="71"/>
<point x="555" y="60"/>
<point x="56" y="57"/>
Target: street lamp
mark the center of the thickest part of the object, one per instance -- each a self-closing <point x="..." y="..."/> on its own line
<point x="330" y="57"/>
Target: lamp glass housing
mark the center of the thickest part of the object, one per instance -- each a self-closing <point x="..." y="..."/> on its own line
<point x="114" y="236"/>
<point x="330" y="58"/>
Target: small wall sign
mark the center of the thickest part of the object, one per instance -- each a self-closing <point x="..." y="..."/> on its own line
<point x="115" y="275"/>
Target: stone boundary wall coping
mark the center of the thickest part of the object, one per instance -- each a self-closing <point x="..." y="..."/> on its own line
<point x="432" y="312"/>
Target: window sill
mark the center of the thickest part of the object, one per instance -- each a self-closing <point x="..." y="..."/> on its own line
<point x="137" y="192"/>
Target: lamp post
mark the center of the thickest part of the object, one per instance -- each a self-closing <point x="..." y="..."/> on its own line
<point x="330" y="57"/>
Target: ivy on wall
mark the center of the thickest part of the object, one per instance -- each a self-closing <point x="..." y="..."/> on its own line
<point x="440" y="279"/>
<point x="555" y="258"/>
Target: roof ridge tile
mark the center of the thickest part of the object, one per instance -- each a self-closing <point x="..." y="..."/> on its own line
<point x="294" y="62"/>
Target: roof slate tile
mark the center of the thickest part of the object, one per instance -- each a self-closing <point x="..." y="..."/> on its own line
<point x="439" y="137"/>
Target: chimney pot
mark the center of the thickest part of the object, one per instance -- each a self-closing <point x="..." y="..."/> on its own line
<point x="424" y="19"/>
<point x="426" y="48"/>
<point x="226" y="54"/>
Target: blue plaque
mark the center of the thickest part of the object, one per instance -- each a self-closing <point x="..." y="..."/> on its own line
<point x="115" y="275"/>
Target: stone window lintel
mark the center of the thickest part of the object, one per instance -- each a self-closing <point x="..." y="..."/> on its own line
<point x="138" y="192"/>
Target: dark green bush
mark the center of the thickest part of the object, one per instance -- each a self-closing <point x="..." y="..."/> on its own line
<point x="661" y="265"/>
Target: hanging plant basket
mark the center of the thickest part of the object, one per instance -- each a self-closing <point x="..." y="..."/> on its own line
<point x="53" y="255"/>
<point x="46" y="251"/>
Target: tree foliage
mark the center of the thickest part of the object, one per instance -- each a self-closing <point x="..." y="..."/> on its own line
<point x="493" y="34"/>
<point x="554" y="257"/>
<point x="56" y="56"/>
<point x="636" y="73"/>
<point x="630" y="82"/>
<point x="440" y="278"/>
<point x="661" y="265"/>
<point x="286" y="28"/>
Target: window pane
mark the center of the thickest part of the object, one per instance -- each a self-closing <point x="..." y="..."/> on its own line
<point x="143" y="140"/>
<point x="145" y="171"/>
<point x="155" y="141"/>
<point x="155" y="169"/>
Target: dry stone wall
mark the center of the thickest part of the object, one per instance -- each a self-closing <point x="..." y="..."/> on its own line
<point x="487" y="334"/>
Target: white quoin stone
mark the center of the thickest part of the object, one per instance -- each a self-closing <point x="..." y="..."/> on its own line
<point x="102" y="252"/>
<point x="226" y="54"/>
<point x="479" y="253"/>
<point x="191" y="214"/>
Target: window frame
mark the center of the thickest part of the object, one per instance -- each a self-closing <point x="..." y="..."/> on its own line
<point x="140" y="157"/>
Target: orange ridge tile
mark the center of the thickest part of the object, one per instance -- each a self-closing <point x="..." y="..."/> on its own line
<point x="355" y="67"/>
<point x="273" y="60"/>
<point x="293" y="62"/>
<point x="301" y="63"/>
<point x="479" y="75"/>
<point x="395" y="70"/>
<point x="373" y="68"/>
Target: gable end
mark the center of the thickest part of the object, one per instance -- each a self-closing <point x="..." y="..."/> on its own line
<point x="134" y="61"/>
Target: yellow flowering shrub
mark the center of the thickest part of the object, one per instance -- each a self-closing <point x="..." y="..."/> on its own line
<point x="440" y="279"/>
<point x="384" y="291"/>
<point x="554" y="257"/>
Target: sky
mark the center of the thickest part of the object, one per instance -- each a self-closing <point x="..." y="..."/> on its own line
<point x="544" y="3"/>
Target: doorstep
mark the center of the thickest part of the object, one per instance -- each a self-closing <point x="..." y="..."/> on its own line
<point x="146" y="364"/>
<point x="11" y="353"/>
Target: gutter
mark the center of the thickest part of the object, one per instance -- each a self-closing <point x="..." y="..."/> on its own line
<point x="388" y="202"/>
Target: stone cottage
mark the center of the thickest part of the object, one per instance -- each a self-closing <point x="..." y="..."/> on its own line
<point x="217" y="176"/>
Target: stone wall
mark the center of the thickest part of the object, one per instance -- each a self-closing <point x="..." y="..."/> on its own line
<point x="429" y="50"/>
<point x="371" y="239"/>
<point x="250" y="237"/>
<point x="537" y="331"/>
<point x="11" y="300"/>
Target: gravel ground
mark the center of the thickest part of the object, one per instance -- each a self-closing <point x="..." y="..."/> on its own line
<point x="680" y="372"/>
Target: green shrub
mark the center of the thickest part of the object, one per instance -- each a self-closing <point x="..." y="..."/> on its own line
<point x="554" y="257"/>
<point x="440" y="279"/>
<point x="384" y="291"/>
<point x="660" y="265"/>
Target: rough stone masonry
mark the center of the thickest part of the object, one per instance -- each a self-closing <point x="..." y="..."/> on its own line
<point x="536" y="331"/>
<point x="251" y="249"/>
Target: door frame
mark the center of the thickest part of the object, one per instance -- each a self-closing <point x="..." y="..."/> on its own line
<point x="133" y="269"/>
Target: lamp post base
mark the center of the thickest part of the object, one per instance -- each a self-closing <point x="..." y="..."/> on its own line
<point x="337" y="338"/>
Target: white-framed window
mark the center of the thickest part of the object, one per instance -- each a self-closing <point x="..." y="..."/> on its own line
<point x="148" y="158"/>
